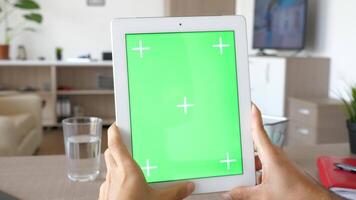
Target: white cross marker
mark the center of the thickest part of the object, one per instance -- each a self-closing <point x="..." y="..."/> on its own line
<point x="141" y="48"/>
<point x="185" y="105"/>
<point x="148" y="167"/>
<point x="221" y="46"/>
<point x="228" y="161"/>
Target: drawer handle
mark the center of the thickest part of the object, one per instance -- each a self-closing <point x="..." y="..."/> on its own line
<point x="303" y="131"/>
<point x="304" y="111"/>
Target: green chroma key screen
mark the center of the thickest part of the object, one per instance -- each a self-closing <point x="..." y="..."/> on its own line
<point x="184" y="108"/>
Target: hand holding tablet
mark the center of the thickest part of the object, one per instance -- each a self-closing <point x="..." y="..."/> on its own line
<point x="183" y="108"/>
<point x="182" y="100"/>
<point x="125" y="180"/>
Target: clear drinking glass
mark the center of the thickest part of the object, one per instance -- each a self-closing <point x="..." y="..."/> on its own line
<point x="82" y="140"/>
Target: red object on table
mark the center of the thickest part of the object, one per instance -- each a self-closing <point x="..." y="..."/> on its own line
<point x="331" y="176"/>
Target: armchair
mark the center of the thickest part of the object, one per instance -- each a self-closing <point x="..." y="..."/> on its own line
<point x="20" y="124"/>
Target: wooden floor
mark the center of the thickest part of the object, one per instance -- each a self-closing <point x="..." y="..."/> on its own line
<point x="53" y="143"/>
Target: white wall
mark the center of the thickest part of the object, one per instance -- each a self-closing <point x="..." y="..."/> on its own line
<point x="77" y="28"/>
<point x="331" y="33"/>
<point x="335" y="31"/>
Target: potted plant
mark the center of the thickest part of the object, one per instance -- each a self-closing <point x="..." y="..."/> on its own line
<point x="27" y="9"/>
<point x="59" y="53"/>
<point x="351" y="122"/>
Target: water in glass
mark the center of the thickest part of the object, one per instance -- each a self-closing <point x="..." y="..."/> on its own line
<point x="83" y="154"/>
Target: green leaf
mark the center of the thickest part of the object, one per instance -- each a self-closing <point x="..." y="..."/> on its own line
<point x="348" y="109"/>
<point x="35" y="17"/>
<point x="353" y="103"/>
<point x="27" y="4"/>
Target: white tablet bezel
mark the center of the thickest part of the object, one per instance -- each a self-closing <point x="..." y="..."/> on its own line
<point x="121" y="27"/>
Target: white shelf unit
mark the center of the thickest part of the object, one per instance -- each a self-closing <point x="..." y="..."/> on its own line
<point x="85" y="92"/>
<point x="46" y="77"/>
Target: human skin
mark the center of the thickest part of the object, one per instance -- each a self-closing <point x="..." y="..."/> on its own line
<point x="280" y="178"/>
<point x="125" y="180"/>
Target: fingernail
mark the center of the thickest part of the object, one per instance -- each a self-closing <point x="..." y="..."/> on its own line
<point x="253" y="107"/>
<point x="190" y="187"/>
<point x="226" y="196"/>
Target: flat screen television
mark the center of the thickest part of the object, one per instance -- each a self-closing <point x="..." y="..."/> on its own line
<point x="279" y="24"/>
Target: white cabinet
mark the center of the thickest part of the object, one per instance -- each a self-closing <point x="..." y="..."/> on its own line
<point x="267" y="85"/>
<point x="275" y="79"/>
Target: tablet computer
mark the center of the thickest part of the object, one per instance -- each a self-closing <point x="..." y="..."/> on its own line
<point x="183" y="99"/>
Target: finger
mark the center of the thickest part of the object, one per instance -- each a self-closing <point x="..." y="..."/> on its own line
<point x="260" y="137"/>
<point x="116" y="145"/>
<point x="103" y="191"/>
<point x="178" y="192"/>
<point x="110" y="162"/>
<point x="241" y="193"/>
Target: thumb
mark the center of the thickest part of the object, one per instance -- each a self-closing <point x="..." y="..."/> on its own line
<point x="178" y="192"/>
<point x="259" y="135"/>
<point x="241" y="193"/>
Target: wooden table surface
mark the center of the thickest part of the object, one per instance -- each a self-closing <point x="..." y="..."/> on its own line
<point x="44" y="177"/>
